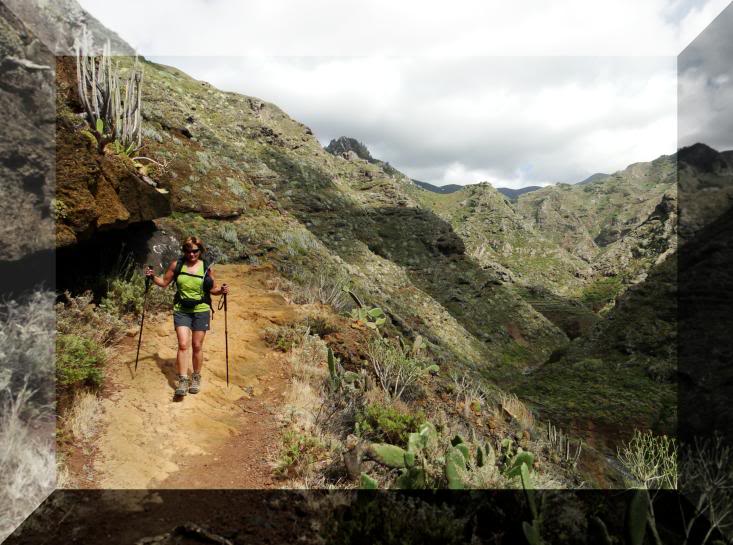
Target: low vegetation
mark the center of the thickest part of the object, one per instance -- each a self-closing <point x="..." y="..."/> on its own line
<point x="27" y="458"/>
<point x="370" y="417"/>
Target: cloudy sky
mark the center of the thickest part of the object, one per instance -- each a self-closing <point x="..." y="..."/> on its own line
<point x="459" y="92"/>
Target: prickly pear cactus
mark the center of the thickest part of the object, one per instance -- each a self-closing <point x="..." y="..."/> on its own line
<point x="412" y="478"/>
<point x="387" y="455"/>
<point x="455" y="466"/>
<point x="513" y="468"/>
<point x="367" y="483"/>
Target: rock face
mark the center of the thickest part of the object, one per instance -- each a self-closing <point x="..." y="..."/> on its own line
<point x="56" y="25"/>
<point x="26" y="141"/>
<point x="95" y="192"/>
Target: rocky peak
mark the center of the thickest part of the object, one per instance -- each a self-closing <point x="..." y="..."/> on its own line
<point x="344" y="144"/>
<point x="702" y="157"/>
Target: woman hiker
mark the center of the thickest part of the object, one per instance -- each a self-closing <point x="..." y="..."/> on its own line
<point x="194" y="280"/>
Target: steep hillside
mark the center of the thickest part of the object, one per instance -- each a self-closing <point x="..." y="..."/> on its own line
<point x="238" y="158"/>
<point x="622" y="374"/>
<point x="258" y="188"/>
<point x="583" y="219"/>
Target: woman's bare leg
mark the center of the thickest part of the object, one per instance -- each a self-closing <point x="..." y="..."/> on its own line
<point x="198" y="350"/>
<point x="183" y="358"/>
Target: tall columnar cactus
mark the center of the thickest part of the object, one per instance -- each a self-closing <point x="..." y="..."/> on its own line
<point x="113" y="109"/>
<point x="333" y="371"/>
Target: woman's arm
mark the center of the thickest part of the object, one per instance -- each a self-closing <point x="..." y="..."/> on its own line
<point x="217" y="290"/>
<point x="164" y="280"/>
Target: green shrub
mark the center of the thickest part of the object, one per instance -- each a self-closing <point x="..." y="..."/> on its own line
<point x="79" y="361"/>
<point x="126" y="293"/>
<point x="298" y="453"/>
<point x="601" y="292"/>
<point x="80" y="316"/>
<point x="386" y="423"/>
<point x="284" y="337"/>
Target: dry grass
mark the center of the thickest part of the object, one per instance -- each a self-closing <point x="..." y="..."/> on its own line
<point x="27" y="462"/>
<point x="83" y="417"/>
<point x="517" y="410"/>
<point x="27" y="346"/>
<point x="306" y="448"/>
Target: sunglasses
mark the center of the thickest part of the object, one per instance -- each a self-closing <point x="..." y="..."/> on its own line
<point x="193" y="251"/>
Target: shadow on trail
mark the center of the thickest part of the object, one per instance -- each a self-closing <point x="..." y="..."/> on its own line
<point x="167" y="368"/>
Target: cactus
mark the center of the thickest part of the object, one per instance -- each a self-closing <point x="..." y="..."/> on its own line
<point x="637" y="516"/>
<point x="333" y="371"/>
<point x="601" y="530"/>
<point x="427" y="430"/>
<point x="457" y="440"/>
<point x="455" y="465"/>
<point x="372" y="318"/>
<point x="354" y="297"/>
<point x="409" y="459"/>
<point x="416" y="442"/>
<point x="513" y="468"/>
<point x="532" y="532"/>
<point x="528" y="489"/>
<point x="113" y="108"/>
<point x="387" y="455"/>
<point x="480" y="457"/>
<point x="463" y="447"/>
<point x="367" y="483"/>
<point x="411" y="479"/>
<point x="489" y="455"/>
<point x="339" y="378"/>
<point x="505" y="447"/>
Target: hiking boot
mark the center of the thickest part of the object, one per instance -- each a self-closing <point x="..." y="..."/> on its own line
<point x="195" y="387"/>
<point x="182" y="388"/>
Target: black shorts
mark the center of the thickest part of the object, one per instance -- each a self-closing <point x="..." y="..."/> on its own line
<point x="195" y="321"/>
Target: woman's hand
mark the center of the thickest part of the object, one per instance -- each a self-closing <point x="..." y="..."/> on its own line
<point x="149" y="271"/>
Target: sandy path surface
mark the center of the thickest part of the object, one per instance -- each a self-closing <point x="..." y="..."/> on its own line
<point x="219" y="438"/>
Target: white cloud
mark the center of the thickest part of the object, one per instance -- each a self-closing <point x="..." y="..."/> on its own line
<point x="408" y="78"/>
<point x="408" y="27"/>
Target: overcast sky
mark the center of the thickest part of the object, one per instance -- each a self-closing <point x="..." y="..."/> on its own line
<point x="590" y="86"/>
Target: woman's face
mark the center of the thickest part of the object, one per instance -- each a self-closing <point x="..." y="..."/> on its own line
<point x="192" y="253"/>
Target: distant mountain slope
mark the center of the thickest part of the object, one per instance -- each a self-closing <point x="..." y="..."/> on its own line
<point x="585" y="218"/>
<point x="593" y="178"/>
<point x="513" y="194"/>
<point x="450" y="188"/>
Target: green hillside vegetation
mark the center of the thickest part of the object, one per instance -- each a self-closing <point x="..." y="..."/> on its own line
<point x="257" y="187"/>
<point x="494" y="290"/>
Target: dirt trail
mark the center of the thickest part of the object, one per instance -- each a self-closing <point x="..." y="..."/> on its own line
<point x="219" y="438"/>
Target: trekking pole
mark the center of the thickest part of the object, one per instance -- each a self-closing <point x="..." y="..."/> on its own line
<point x="148" y="280"/>
<point x="223" y="303"/>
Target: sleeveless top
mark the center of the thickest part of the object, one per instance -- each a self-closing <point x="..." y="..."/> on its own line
<point x="191" y="287"/>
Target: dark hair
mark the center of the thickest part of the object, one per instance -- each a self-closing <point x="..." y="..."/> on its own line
<point x="192" y="242"/>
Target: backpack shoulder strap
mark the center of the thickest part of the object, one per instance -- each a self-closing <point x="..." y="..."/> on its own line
<point x="179" y="267"/>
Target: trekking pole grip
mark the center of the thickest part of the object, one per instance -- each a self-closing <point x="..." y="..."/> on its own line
<point x="148" y="279"/>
